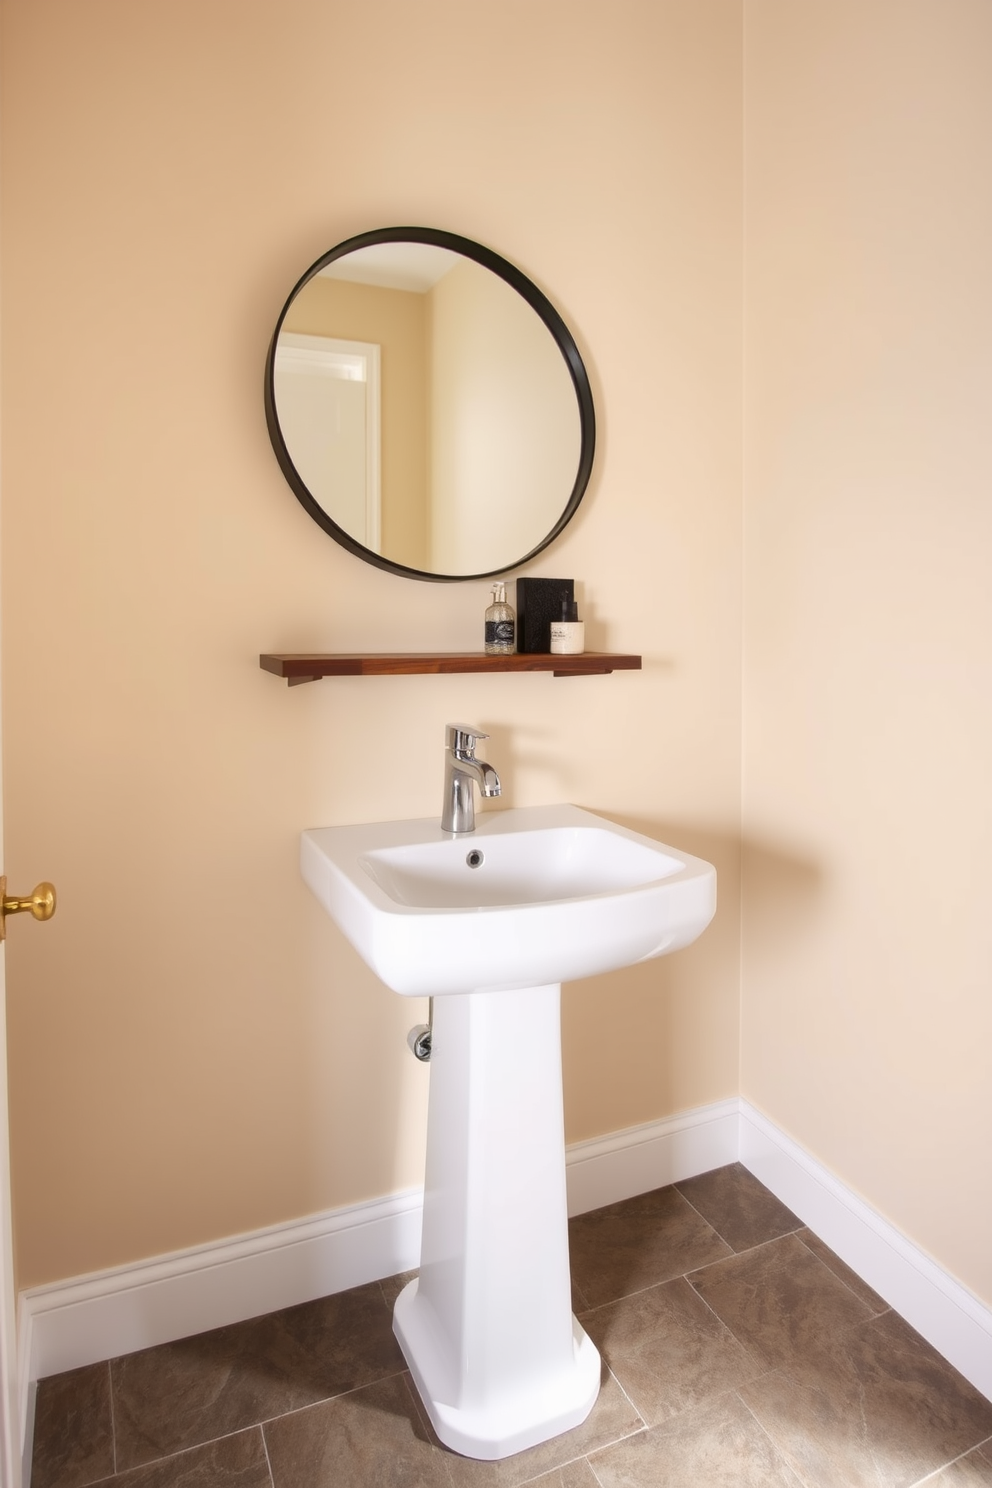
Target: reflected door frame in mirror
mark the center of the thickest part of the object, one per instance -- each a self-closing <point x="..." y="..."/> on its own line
<point x="553" y="323"/>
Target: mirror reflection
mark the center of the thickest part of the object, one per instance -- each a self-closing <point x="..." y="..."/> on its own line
<point x="428" y="411"/>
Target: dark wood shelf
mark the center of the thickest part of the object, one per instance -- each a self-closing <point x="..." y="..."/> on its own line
<point x="299" y="667"/>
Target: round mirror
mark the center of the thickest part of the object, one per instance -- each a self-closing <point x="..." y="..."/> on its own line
<point x="428" y="405"/>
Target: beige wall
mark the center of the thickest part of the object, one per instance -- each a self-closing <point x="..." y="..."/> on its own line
<point x="867" y="1023"/>
<point x="195" y="1051"/>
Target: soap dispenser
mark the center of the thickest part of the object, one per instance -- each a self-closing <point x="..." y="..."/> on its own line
<point x="568" y="635"/>
<point x="500" y="625"/>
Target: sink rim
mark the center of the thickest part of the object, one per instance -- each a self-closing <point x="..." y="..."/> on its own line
<point x="427" y="950"/>
<point x="353" y="843"/>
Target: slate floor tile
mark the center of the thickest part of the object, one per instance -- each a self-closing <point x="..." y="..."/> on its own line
<point x="717" y="1445"/>
<point x="850" y="1278"/>
<point x="638" y="1243"/>
<point x="738" y="1206"/>
<point x="576" y="1475"/>
<point x="233" y="1462"/>
<point x="178" y="1395"/>
<point x="875" y="1407"/>
<point x="779" y="1300"/>
<point x="971" y="1471"/>
<point x="372" y="1436"/>
<point x="668" y="1350"/>
<point x="73" y="1429"/>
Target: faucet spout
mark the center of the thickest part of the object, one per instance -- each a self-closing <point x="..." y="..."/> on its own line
<point x="489" y="781"/>
<point x="462" y="771"/>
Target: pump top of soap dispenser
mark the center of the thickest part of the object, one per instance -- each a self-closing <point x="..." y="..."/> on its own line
<point x="569" y="610"/>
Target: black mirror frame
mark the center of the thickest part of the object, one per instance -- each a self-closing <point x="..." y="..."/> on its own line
<point x="537" y="301"/>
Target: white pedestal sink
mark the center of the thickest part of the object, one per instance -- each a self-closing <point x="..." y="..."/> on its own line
<point x="490" y="923"/>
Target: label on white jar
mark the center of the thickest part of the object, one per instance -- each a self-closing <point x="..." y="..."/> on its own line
<point x="568" y="637"/>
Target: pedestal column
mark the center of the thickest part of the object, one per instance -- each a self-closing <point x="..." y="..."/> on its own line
<point x="487" y="1329"/>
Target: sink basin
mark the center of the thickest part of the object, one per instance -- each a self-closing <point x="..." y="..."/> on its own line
<point x="496" y="919"/>
<point x="533" y="895"/>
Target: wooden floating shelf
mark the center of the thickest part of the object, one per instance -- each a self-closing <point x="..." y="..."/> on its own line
<point x="299" y="667"/>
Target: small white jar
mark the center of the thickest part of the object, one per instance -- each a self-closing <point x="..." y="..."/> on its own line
<point x="568" y="635"/>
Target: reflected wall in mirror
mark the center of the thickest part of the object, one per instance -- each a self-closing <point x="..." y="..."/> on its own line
<point x="428" y="405"/>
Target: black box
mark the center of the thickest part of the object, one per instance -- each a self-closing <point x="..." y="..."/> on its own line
<point x="538" y="603"/>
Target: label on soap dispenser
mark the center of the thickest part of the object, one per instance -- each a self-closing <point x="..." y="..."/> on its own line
<point x="499" y="632"/>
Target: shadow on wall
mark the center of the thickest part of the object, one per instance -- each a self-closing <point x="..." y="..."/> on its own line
<point x="783" y="889"/>
<point x="784" y="892"/>
<point x="663" y="1037"/>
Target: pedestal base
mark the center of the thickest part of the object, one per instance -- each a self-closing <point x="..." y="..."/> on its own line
<point x="512" y="1420"/>
<point x="487" y="1329"/>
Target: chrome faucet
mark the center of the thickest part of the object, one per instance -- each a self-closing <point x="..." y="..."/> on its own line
<point x="461" y="768"/>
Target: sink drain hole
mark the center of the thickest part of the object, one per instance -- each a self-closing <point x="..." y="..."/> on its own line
<point x="475" y="858"/>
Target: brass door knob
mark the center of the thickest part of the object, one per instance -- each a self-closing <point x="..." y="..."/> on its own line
<point x="40" y="902"/>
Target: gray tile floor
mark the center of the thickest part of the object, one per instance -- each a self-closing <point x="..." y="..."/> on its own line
<point x="738" y="1352"/>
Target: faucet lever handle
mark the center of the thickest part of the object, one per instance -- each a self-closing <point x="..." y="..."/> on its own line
<point x="462" y="738"/>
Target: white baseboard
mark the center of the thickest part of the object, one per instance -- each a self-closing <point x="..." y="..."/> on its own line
<point x="634" y="1161"/>
<point x="97" y="1317"/>
<point x="946" y="1313"/>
